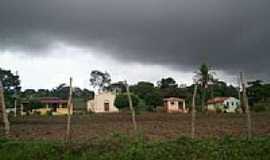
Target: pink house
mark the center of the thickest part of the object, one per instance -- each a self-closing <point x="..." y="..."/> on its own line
<point x="174" y="104"/>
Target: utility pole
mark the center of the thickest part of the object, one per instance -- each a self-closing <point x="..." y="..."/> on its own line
<point x="193" y="113"/>
<point x="69" y="107"/>
<point x="245" y="103"/>
<point x="131" y="107"/>
<point x="3" y="109"/>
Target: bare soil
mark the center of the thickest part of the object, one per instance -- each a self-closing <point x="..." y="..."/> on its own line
<point x="151" y="125"/>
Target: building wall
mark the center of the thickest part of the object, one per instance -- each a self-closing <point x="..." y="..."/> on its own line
<point x="97" y="105"/>
<point x="229" y="105"/>
<point x="214" y="107"/>
<point x="59" y="111"/>
<point x="42" y="111"/>
<point x="232" y="104"/>
<point x="173" y="106"/>
<point x="62" y="111"/>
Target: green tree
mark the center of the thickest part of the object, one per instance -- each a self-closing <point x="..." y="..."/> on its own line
<point x="221" y="89"/>
<point x="121" y="101"/>
<point x="11" y="84"/>
<point x="87" y="94"/>
<point x="204" y="76"/>
<point x="148" y="93"/>
<point x="153" y="99"/>
<point x="167" y="83"/>
<point x="256" y="91"/>
<point x="62" y="91"/>
<point x="28" y="93"/>
<point x="43" y="93"/>
<point x="119" y="87"/>
<point x="259" y="94"/>
<point x="99" y="79"/>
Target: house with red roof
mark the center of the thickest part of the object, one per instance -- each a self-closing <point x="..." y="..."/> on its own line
<point x="223" y="104"/>
<point x="45" y="105"/>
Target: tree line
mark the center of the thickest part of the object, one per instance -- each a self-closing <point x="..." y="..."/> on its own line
<point x="145" y="95"/>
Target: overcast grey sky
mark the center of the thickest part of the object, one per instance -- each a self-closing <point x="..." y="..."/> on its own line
<point x="133" y="39"/>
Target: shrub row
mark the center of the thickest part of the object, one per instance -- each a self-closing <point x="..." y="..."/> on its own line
<point x="126" y="148"/>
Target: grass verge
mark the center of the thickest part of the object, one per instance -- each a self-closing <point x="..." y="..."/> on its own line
<point x="121" y="147"/>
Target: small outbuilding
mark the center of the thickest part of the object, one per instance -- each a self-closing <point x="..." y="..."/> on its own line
<point x="174" y="104"/>
<point x="103" y="102"/>
<point x="223" y="104"/>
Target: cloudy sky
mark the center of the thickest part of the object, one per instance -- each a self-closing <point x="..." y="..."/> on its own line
<point x="49" y="40"/>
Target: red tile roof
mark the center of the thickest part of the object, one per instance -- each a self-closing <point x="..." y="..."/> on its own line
<point x="52" y="100"/>
<point x="174" y="99"/>
<point x="217" y="100"/>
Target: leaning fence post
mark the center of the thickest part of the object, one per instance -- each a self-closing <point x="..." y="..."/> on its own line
<point x="193" y="113"/>
<point x="69" y="105"/>
<point x="131" y="107"/>
<point x="4" y="112"/>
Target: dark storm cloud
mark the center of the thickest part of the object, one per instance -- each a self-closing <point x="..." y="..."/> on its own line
<point x="231" y="35"/>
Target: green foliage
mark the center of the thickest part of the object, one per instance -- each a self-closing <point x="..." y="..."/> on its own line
<point x="126" y="148"/>
<point x="80" y="96"/>
<point x="62" y="91"/>
<point x="35" y="105"/>
<point x="258" y="93"/>
<point x="121" y="100"/>
<point x="219" y="110"/>
<point x="204" y="76"/>
<point x="167" y="83"/>
<point x="148" y="93"/>
<point x="37" y="113"/>
<point x="49" y="113"/>
<point x="118" y="87"/>
<point x="80" y="104"/>
<point x="11" y="84"/>
<point x="100" y="79"/>
<point x="260" y="107"/>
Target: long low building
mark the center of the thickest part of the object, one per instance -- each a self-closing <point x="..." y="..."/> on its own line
<point x="44" y="105"/>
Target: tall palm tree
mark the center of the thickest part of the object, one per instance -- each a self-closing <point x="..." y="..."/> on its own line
<point x="204" y="75"/>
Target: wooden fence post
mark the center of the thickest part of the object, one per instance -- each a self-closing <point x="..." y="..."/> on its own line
<point x="245" y="102"/>
<point x="193" y="113"/>
<point x="131" y="107"/>
<point x="3" y="109"/>
<point x="69" y="106"/>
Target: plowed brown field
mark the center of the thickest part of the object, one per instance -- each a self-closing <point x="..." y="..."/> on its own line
<point x="151" y="125"/>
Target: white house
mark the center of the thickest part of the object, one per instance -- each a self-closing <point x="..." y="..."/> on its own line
<point x="224" y="104"/>
<point x="103" y="102"/>
<point x="174" y="104"/>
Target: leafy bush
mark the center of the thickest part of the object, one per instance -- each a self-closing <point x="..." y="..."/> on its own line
<point x="260" y="107"/>
<point x="121" y="101"/>
<point x="126" y="148"/>
<point x="49" y="113"/>
<point x="218" y="110"/>
<point x="38" y="113"/>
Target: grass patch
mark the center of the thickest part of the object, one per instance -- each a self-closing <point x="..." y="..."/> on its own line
<point x="121" y="147"/>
